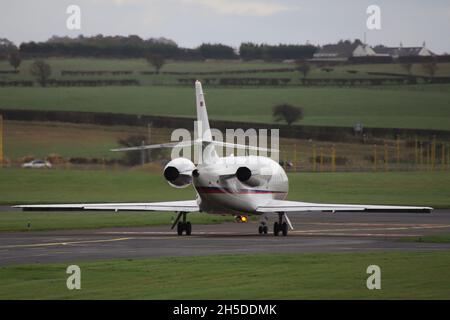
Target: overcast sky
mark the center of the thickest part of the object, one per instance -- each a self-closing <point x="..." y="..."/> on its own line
<point x="192" y="22"/>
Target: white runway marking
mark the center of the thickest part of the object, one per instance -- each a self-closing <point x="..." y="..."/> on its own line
<point x="324" y="232"/>
<point x="61" y="243"/>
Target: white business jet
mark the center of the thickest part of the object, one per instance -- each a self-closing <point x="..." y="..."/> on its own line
<point x="236" y="185"/>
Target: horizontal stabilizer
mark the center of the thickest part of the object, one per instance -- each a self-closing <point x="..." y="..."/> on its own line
<point x="188" y="143"/>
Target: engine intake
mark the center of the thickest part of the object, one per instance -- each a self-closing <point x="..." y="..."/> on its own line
<point x="171" y="173"/>
<point x="178" y="172"/>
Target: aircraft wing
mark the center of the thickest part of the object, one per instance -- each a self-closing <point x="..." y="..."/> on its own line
<point x="297" y="206"/>
<point x="173" y="206"/>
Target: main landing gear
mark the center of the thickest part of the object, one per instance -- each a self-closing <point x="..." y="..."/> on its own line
<point x="280" y="226"/>
<point x="182" y="226"/>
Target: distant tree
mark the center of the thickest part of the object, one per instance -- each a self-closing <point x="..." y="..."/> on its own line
<point x="288" y="113"/>
<point x="156" y="60"/>
<point x="41" y="70"/>
<point x="430" y="68"/>
<point x="6" y="47"/>
<point x="14" y="59"/>
<point x="303" y="67"/>
<point x="407" y="66"/>
<point x="216" y="51"/>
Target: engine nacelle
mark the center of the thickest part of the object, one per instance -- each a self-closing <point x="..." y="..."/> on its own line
<point x="246" y="176"/>
<point x="178" y="172"/>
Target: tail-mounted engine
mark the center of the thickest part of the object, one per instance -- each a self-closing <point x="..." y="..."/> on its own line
<point x="246" y="176"/>
<point x="178" y="172"/>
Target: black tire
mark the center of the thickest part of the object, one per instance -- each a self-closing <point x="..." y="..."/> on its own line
<point x="276" y="229"/>
<point x="284" y="229"/>
<point x="260" y="229"/>
<point x="188" y="228"/>
<point x="180" y="228"/>
<point x="265" y="229"/>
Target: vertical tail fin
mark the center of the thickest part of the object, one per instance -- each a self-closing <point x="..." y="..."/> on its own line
<point x="206" y="153"/>
<point x="204" y="132"/>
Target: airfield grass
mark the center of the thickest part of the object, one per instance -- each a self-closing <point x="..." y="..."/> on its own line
<point x="435" y="238"/>
<point x="20" y="186"/>
<point x="419" y="275"/>
<point x="40" y="221"/>
<point x="399" y="107"/>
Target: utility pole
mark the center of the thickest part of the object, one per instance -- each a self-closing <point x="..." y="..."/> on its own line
<point x="333" y="158"/>
<point x="149" y="140"/>
<point x="295" y="157"/>
<point x="314" y="158"/>
<point x="375" y="157"/>
<point x="420" y="156"/>
<point x="385" y="156"/>
<point x="433" y="153"/>
<point x="1" y="140"/>
<point x="416" y="151"/>
<point x="143" y="153"/>
<point x="321" y="159"/>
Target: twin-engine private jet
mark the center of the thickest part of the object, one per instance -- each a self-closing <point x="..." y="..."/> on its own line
<point x="236" y="185"/>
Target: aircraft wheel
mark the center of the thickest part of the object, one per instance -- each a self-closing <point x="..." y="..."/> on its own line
<point x="180" y="228"/>
<point x="260" y="230"/>
<point x="265" y="229"/>
<point x="284" y="229"/>
<point x="276" y="229"/>
<point x="188" y="228"/>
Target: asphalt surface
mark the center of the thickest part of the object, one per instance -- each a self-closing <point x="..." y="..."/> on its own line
<point x="314" y="232"/>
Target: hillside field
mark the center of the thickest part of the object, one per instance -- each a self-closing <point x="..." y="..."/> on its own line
<point x="215" y="67"/>
<point x="396" y="107"/>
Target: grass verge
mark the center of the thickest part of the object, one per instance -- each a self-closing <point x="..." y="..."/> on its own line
<point x="257" y="276"/>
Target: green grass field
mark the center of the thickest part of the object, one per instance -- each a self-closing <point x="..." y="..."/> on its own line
<point x="436" y="238"/>
<point x="193" y="67"/>
<point x="60" y="186"/>
<point x="18" y="186"/>
<point x="399" y="107"/>
<point x="256" y="276"/>
<point x="422" y="106"/>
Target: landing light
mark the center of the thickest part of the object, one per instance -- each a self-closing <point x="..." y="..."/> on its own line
<point x="242" y="219"/>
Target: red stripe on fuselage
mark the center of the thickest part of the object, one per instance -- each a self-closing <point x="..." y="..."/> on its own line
<point x="238" y="191"/>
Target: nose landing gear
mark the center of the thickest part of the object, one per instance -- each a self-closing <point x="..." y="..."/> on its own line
<point x="263" y="228"/>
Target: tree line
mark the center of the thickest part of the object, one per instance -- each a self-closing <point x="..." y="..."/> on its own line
<point x="135" y="47"/>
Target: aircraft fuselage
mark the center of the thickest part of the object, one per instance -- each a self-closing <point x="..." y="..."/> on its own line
<point x="227" y="194"/>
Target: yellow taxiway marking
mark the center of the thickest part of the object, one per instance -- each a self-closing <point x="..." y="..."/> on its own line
<point x="62" y="243"/>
